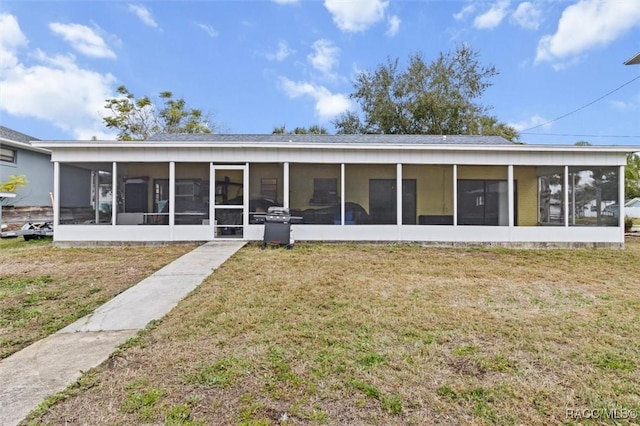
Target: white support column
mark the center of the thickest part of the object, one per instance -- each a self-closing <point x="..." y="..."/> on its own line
<point x="212" y="200"/>
<point x="566" y="196"/>
<point x="114" y="193"/>
<point x="342" y="198"/>
<point x="621" y="202"/>
<point x="399" y="193"/>
<point x="510" y="187"/>
<point x="172" y="197"/>
<point x="455" y="195"/>
<point x="56" y="195"/>
<point x="285" y="188"/>
<point x="96" y="196"/>
<point x="245" y="200"/>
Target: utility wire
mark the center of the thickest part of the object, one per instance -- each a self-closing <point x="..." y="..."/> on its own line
<point x="582" y="107"/>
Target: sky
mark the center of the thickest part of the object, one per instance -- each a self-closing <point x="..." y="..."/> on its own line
<point x="252" y="66"/>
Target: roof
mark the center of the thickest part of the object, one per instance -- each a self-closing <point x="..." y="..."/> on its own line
<point x="335" y="139"/>
<point x="14" y="138"/>
<point x="9" y="134"/>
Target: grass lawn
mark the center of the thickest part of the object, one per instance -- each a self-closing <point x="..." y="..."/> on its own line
<point x="43" y="289"/>
<point x="386" y="335"/>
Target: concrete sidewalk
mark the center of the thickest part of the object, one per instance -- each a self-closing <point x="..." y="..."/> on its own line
<point x="51" y="364"/>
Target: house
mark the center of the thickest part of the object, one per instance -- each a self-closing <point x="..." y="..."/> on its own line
<point x="632" y="208"/>
<point x="455" y="190"/>
<point x="18" y="156"/>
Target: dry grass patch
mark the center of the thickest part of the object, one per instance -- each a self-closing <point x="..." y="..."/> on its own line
<point x="362" y="334"/>
<point x="43" y="289"/>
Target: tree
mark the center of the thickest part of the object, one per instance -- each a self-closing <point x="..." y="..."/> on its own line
<point x="312" y="130"/>
<point x="14" y="183"/>
<point x="632" y="176"/>
<point x="138" y="119"/>
<point x="441" y="97"/>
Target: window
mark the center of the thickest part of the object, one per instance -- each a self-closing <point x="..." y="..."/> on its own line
<point x="8" y="155"/>
<point x="484" y="202"/>
<point x="269" y="188"/>
<point x="325" y="191"/>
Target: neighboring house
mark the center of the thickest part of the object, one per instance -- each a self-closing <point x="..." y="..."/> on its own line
<point x="632" y="208"/>
<point x="18" y="156"/>
<point x="455" y="190"/>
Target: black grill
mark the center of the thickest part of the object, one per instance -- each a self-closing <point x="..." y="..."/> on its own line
<point x="277" y="226"/>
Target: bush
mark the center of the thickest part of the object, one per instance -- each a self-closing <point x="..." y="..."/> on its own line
<point x="628" y="223"/>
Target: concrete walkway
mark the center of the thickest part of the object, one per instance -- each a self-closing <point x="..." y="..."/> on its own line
<point x="50" y="365"/>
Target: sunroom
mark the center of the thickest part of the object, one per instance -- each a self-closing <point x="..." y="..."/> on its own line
<point x="430" y="189"/>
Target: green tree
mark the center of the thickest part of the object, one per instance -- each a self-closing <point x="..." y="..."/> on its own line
<point x="632" y="176"/>
<point x="14" y="183"/>
<point x="312" y="130"/>
<point x="138" y="119"/>
<point x="441" y="97"/>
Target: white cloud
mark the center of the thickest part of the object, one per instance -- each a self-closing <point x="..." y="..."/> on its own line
<point x="622" y="106"/>
<point x="83" y="39"/>
<point x="51" y="88"/>
<point x="588" y="24"/>
<point x="527" y="15"/>
<point x="143" y="14"/>
<point x="394" y="26"/>
<point x="493" y="17"/>
<point x="212" y="32"/>
<point x="283" y="52"/>
<point x="533" y="121"/>
<point x="356" y="15"/>
<point x="325" y="56"/>
<point x="12" y="39"/>
<point x="466" y="11"/>
<point x="328" y="105"/>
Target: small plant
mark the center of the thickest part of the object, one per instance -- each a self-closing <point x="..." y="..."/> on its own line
<point x="393" y="404"/>
<point x="142" y="400"/>
<point x="369" y="390"/>
<point x="628" y="223"/>
<point x="217" y="375"/>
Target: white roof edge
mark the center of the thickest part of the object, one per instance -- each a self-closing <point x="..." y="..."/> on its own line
<point x="355" y="146"/>
<point x="7" y="194"/>
<point x="29" y="147"/>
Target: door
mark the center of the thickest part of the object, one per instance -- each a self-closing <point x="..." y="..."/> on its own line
<point x="229" y="201"/>
<point x="383" y="201"/>
<point x="136" y="197"/>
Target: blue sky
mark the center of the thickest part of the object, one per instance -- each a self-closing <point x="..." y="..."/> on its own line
<point x="254" y="65"/>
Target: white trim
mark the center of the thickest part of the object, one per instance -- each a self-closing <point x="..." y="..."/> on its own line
<point x="285" y="184"/>
<point x="399" y="190"/>
<point x="114" y="193"/>
<point x="455" y="195"/>
<point x="248" y="146"/>
<point x="510" y="187"/>
<point x="172" y="197"/>
<point x="342" y="197"/>
<point x="621" y="203"/>
<point x="566" y="196"/>
<point x="56" y="197"/>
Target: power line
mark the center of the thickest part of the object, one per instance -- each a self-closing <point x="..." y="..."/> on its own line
<point x="582" y="107"/>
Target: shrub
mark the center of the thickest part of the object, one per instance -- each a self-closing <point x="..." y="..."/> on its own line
<point x="628" y="223"/>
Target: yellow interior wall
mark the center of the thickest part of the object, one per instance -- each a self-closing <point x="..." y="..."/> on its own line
<point x="482" y="172"/>
<point x="527" y="195"/>
<point x="259" y="171"/>
<point x="301" y="182"/>
<point x="357" y="180"/>
<point x="192" y="171"/>
<point x="434" y="188"/>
